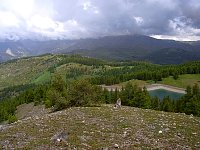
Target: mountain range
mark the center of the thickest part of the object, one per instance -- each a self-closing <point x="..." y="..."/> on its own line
<point x="123" y="47"/>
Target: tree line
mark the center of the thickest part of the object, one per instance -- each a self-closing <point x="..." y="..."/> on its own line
<point x="145" y="72"/>
<point x="60" y="94"/>
<point x="132" y="95"/>
<point x="57" y="95"/>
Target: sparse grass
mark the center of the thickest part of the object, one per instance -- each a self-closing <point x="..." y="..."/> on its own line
<point x="24" y="71"/>
<point x="103" y="127"/>
<point x="183" y="81"/>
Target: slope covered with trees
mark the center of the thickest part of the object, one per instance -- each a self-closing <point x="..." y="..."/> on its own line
<point x="62" y="81"/>
<point x="60" y="95"/>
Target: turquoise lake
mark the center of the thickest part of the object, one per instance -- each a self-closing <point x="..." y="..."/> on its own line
<point x="161" y="93"/>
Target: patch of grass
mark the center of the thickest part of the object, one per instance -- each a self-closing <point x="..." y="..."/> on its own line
<point x="45" y="77"/>
<point x="183" y="81"/>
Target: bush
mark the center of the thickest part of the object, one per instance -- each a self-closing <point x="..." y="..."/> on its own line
<point x="11" y="118"/>
<point x="82" y="93"/>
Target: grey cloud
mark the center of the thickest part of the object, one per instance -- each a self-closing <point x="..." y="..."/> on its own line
<point x="93" y="18"/>
<point x="191" y="10"/>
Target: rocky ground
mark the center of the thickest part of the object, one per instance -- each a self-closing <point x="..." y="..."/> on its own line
<point x="29" y="110"/>
<point x="103" y="128"/>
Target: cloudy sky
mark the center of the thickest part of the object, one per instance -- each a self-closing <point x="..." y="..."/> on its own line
<point x="71" y="19"/>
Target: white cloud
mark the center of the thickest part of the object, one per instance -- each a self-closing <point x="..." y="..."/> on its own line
<point x="8" y="19"/>
<point x="177" y="37"/>
<point x="139" y="20"/>
<point x="84" y="18"/>
<point x="86" y="5"/>
<point x="182" y="30"/>
<point x="22" y="8"/>
<point x="38" y="21"/>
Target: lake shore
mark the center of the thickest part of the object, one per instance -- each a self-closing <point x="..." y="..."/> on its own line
<point x="149" y="87"/>
<point x="165" y="87"/>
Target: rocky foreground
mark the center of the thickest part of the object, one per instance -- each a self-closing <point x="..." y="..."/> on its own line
<point x="103" y="128"/>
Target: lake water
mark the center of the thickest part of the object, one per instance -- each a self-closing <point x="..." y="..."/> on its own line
<point x="161" y="93"/>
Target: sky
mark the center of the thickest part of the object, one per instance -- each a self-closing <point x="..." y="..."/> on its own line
<point x="74" y="19"/>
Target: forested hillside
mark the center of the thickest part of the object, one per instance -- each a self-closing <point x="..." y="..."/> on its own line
<point x="62" y="81"/>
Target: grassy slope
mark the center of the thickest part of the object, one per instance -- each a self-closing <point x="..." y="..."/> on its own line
<point x="183" y="81"/>
<point x="23" y="71"/>
<point x="103" y="127"/>
<point x="35" y="70"/>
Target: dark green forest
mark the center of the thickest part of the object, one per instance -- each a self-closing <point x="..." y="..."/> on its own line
<point x="145" y="72"/>
<point x="60" y="95"/>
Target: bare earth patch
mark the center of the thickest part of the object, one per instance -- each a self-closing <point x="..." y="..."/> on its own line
<point x="104" y="128"/>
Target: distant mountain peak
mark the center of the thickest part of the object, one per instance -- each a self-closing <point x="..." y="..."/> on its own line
<point x="9" y="52"/>
<point x="121" y="47"/>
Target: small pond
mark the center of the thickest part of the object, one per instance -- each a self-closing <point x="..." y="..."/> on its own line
<point x="161" y="93"/>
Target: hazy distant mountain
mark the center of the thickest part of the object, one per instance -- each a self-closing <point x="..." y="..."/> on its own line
<point x="11" y="49"/>
<point x="125" y="47"/>
<point x="139" y="47"/>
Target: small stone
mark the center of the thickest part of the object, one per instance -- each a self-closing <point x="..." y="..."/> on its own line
<point x="125" y="133"/>
<point x="116" y="146"/>
<point x="58" y="140"/>
<point x="196" y="145"/>
<point x="160" y="132"/>
<point x="167" y="129"/>
<point x="62" y="136"/>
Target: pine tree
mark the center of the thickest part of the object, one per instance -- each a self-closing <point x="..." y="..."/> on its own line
<point x="155" y="103"/>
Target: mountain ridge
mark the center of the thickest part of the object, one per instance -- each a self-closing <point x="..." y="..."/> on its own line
<point x="124" y="47"/>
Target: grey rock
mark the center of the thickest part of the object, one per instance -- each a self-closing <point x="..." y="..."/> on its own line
<point x="167" y="129"/>
<point x="116" y="146"/>
<point x="118" y="104"/>
<point x="59" y="137"/>
<point x="179" y="134"/>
